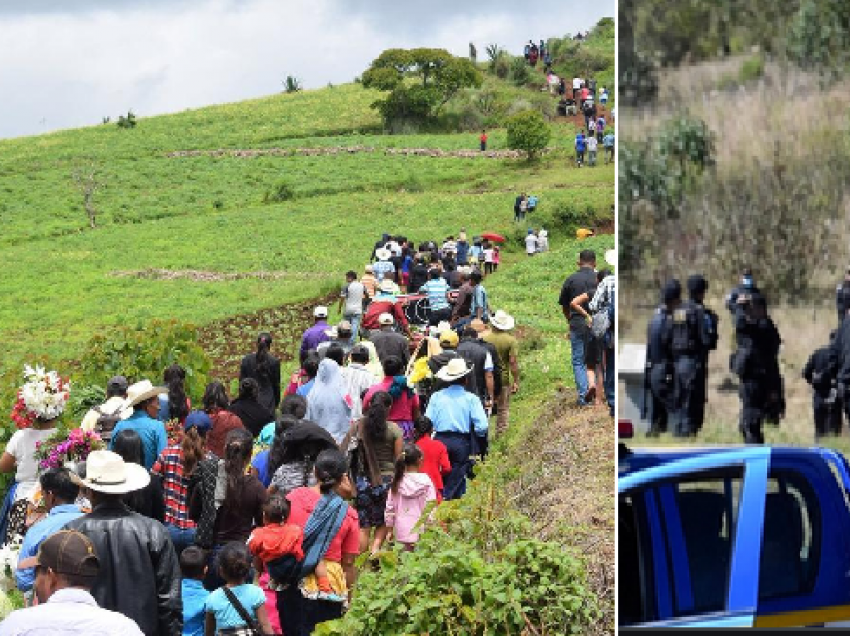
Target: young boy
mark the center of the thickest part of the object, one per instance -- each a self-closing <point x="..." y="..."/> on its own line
<point x="193" y="565"/>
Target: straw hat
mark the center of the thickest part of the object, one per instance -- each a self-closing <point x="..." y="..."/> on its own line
<point x="502" y="320"/>
<point x="383" y="254"/>
<point x="139" y="392"/>
<point x="455" y="369"/>
<point x="611" y="257"/>
<point x="387" y="286"/>
<point x="108" y="472"/>
<point x="369" y="269"/>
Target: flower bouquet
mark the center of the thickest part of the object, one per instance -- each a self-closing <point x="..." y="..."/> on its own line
<point x="62" y="447"/>
<point x="9" y="563"/>
<point x="42" y="397"/>
<point x="174" y="431"/>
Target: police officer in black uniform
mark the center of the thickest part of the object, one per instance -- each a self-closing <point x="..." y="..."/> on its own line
<point x="659" y="370"/>
<point x="756" y="362"/>
<point x="689" y="350"/>
<point x="825" y="400"/>
<point x="842" y="297"/>
<point x="746" y="286"/>
<point x="697" y="286"/>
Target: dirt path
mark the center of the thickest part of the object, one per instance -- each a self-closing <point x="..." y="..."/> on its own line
<point x="248" y="153"/>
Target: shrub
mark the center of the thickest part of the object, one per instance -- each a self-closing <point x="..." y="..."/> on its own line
<point x="502" y="65"/>
<point x="281" y="191"/>
<point x="126" y="122"/>
<point x="144" y="351"/>
<point x="528" y="132"/>
<point x="752" y="69"/>
<point x="520" y="73"/>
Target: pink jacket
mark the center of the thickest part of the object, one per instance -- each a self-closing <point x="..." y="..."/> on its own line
<point x="405" y="507"/>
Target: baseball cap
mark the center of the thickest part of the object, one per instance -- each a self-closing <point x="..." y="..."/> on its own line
<point x="385" y="319"/>
<point x="117" y="384"/>
<point x="66" y="552"/>
<point x="199" y="420"/>
<point x="344" y="326"/>
<point x="449" y="338"/>
<point x="320" y="312"/>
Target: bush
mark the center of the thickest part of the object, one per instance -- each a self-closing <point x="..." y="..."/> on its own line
<point x="520" y="72"/>
<point x="281" y="191"/>
<point x="473" y="580"/>
<point x="126" y="122"/>
<point x="527" y="131"/>
<point x="144" y="351"/>
<point x="752" y="69"/>
<point x="502" y="65"/>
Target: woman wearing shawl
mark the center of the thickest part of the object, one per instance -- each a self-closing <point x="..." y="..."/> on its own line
<point x="331" y="535"/>
<point x="328" y="403"/>
<point x="405" y="408"/>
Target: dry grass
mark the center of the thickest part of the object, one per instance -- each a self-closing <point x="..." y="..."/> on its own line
<point x="802" y="329"/>
<point x="566" y="486"/>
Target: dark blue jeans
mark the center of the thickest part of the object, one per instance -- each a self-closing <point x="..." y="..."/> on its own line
<point x="610" y="378"/>
<point x="459" y="448"/>
<point x="181" y="537"/>
<point x="578" y="342"/>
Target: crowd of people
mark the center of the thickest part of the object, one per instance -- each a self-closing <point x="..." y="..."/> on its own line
<point x="245" y="515"/>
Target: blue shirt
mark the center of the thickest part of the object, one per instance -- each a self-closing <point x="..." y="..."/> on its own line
<point x="382" y="268"/>
<point x="304" y="389"/>
<point x="580" y="143"/>
<point x="55" y="521"/>
<point x="437" y="290"/>
<point x="608" y="140"/>
<point x="152" y="432"/>
<point x="532" y="201"/>
<point x="452" y="409"/>
<point x="226" y="616"/>
<point x="462" y="252"/>
<point x="479" y="299"/>
<point x="194" y="603"/>
<point x="261" y="463"/>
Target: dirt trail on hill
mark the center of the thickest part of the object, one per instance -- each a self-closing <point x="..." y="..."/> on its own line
<point x="248" y="153"/>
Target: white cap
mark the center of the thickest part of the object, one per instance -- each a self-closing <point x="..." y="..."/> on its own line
<point x="385" y="319"/>
<point x="320" y="312"/>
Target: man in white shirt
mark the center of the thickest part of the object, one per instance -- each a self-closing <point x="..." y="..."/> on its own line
<point x="531" y="243"/>
<point x="108" y="413"/>
<point x="592" y="144"/>
<point x="65" y="569"/>
<point x="352" y="295"/>
<point x="576" y="87"/>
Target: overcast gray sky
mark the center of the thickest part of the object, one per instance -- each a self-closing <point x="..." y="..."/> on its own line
<point x="68" y="63"/>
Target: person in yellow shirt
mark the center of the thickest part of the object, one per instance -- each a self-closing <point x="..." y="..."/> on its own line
<point x="582" y="233"/>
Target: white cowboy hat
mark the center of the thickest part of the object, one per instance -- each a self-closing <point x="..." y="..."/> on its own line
<point x="385" y="319"/>
<point x="387" y="286"/>
<point x="502" y="320"/>
<point x="454" y="370"/>
<point x="383" y="254"/>
<point x="108" y="472"/>
<point x="611" y="257"/>
<point x="139" y="392"/>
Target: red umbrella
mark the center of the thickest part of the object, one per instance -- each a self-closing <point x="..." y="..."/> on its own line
<point x="492" y="236"/>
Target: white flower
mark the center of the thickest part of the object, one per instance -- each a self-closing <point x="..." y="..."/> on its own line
<point x="43" y="392"/>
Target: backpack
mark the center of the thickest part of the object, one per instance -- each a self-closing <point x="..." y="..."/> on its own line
<point x="106" y="421"/>
<point x="602" y="319"/>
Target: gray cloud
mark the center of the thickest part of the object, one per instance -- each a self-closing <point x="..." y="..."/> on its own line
<point x="67" y="64"/>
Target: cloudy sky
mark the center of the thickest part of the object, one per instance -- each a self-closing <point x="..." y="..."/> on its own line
<point x="68" y="63"/>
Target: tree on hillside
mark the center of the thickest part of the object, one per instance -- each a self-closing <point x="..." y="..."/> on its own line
<point x="88" y="180"/>
<point x="528" y="131"/>
<point x="419" y="81"/>
<point x="291" y="84"/>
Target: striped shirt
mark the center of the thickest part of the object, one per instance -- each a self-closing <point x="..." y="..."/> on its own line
<point x="169" y="466"/>
<point x="437" y="291"/>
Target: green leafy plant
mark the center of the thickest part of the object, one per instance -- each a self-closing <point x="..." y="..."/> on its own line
<point x="527" y="131"/>
<point x="280" y="191"/>
<point x="520" y="72"/>
<point x="126" y="122"/>
<point x="83" y="398"/>
<point x="291" y="84"/>
<point x="144" y="351"/>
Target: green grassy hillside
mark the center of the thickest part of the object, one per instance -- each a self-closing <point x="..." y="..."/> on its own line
<point x="61" y="279"/>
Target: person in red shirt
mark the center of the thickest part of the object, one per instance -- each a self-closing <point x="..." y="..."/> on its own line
<point x="216" y="403"/>
<point x="483" y="139"/>
<point x="436" y="454"/>
<point x="384" y="303"/>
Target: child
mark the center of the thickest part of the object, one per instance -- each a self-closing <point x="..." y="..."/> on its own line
<point x="410" y="492"/>
<point x="276" y="537"/>
<point x="495" y="257"/>
<point x="234" y="565"/>
<point x="193" y="566"/>
<point x="475" y="254"/>
<point x="436" y="456"/>
<point x="488" y="258"/>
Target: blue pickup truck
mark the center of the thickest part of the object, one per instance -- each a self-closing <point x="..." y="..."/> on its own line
<point x="733" y="537"/>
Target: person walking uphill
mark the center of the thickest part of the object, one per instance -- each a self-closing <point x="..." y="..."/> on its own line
<point x="460" y="423"/>
<point x="139" y="572"/>
<point x="581" y="282"/>
<point x="351" y="301"/>
<point x="67" y="569"/>
<point x="507" y="350"/>
<point x="143" y="398"/>
<point x="263" y="367"/>
<point x="316" y="334"/>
